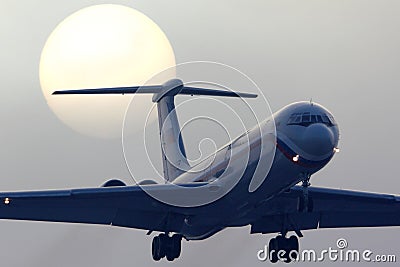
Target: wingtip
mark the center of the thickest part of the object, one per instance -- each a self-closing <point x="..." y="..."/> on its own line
<point x="247" y="95"/>
<point x="64" y="92"/>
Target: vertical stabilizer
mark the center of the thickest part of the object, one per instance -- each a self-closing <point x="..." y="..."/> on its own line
<point x="172" y="147"/>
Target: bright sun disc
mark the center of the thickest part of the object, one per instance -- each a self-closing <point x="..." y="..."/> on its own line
<point x="102" y="46"/>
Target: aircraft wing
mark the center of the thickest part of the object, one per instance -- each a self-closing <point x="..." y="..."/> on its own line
<point x="329" y="208"/>
<point x="127" y="206"/>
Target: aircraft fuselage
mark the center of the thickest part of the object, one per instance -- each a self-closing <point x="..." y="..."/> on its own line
<point x="305" y="140"/>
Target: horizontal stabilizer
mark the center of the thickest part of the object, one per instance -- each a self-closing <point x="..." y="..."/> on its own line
<point x="115" y="90"/>
<point x="203" y="91"/>
<point x="177" y="88"/>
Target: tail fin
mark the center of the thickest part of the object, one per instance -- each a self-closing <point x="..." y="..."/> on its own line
<point x="172" y="146"/>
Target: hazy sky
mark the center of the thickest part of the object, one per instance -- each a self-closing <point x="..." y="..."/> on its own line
<point x="344" y="54"/>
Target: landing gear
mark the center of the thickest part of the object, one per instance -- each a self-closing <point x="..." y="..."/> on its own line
<point x="167" y="246"/>
<point x="305" y="202"/>
<point x="282" y="248"/>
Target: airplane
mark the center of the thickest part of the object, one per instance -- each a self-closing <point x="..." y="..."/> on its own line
<point x="305" y="140"/>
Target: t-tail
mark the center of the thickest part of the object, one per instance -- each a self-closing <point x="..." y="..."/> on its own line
<point x="172" y="145"/>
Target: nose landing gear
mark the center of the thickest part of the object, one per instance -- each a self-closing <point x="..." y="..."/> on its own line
<point x="305" y="202"/>
<point x="167" y="246"/>
<point x="286" y="249"/>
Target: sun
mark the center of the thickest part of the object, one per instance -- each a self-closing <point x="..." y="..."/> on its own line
<point x="102" y="46"/>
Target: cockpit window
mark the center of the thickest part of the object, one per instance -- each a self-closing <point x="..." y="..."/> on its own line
<point x="313" y="118"/>
<point x="325" y="119"/>
<point x="332" y="119"/>
<point x="295" y="117"/>
<point x="306" y="118"/>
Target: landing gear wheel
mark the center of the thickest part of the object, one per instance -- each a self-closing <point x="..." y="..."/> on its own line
<point x="176" y="245"/>
<point x="293" y="248"/>
<point x="169" y="256"/>
<point x="155" y="248"/>
<point x="272" y="250"/>
<point x="290" y="246"/>
<point x="163" y="244"/>
<point x="294" y="243"/>
<point x="167" y="246"/>
<point x="283" y="245"/>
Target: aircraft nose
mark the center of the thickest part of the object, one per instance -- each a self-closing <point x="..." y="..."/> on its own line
<point x="319" y="140"/>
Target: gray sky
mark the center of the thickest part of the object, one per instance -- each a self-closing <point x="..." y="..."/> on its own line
<point x="343" y="54"/>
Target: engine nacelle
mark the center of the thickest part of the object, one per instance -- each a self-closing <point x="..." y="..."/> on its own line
<point x="147" y="182"/>
<point x="113" y="182"/>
